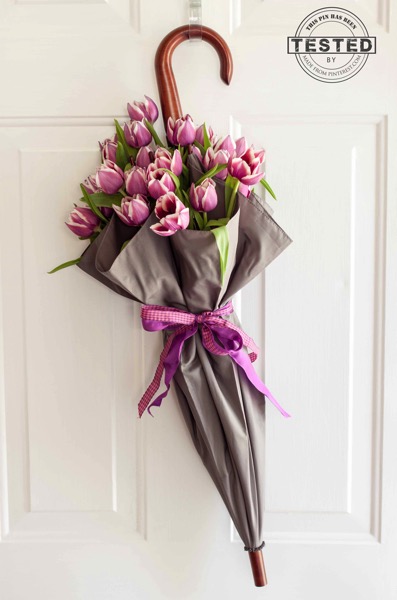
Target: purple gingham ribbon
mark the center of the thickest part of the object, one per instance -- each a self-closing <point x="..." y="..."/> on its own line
<point x="230" y="340"/>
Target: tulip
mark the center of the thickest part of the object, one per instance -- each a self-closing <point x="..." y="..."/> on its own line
<point x="143" y="110"/>
<point x="136" y="134"/>
<point x="108" y="149"/>
<point x="212" y="158"/>
<point x="204" y="197"/>
<point x="134" y="210"/>
<point x="247" y="167"/>
<point x="144" y="157"/>
<point x="107" y="211"/>
<point x="182" y="131"/>
<point x="109" y="177"/>
<point x="164" y="159"/>
<point x="173" y="215"/>
<point x="136" y="181"/>
<point x="200" y="134"/>
<point x="90" y="184"/>
<point x="225" y="143"/>
<point x="159" y="182"/>
<point x="83" y="222"/>
<point x="241" y="146"/>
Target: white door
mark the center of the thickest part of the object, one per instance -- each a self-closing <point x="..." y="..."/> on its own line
<point x="96" y="505"/>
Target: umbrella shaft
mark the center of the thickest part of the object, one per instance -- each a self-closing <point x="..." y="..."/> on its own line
<point x="258" y="568"/>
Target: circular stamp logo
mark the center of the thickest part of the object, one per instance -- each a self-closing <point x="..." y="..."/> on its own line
<point x="332" y="44"/>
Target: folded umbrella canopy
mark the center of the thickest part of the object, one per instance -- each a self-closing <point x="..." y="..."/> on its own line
<point x="179" y="280"/>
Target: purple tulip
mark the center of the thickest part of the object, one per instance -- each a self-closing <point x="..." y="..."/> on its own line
<point x="82" y="221"/>
<point x="134" y="210"/>
<point x="90" y="184"/>
<point x="173" y="215"/>
<point x="204" y="197"/>
<point x="107" y="211"/>
<point x="200" y="134"/>
<point x="197" y="152"/>
<point x="143" y="110"/>
<point x="136" y="181"/>
<point x="136" y="134"/>
<point x="247" y="167"/>
<point x="108" y="149"/>
<point x="109" y="177"/>
<point x="226" y="144"/>
<point x="241" y="146"/>
<point x="159" y="182"/>
<point x="212" y="158"/>
<point x="165" y="160"/>
<point x="144" y="157"/>
<point x="182" y="131"/>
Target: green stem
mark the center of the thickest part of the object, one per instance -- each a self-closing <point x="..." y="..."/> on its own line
<point x="232" y="200"/>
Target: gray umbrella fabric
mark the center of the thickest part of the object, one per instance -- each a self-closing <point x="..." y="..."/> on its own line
<point x="224" y="412"/>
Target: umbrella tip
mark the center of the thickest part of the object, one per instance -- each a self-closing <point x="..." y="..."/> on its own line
<point x="258" y="568"/>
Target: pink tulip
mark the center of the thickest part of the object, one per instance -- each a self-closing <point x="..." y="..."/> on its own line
<point x="108" y="149"/>
<point x="164" y="159"/>
<point x="134" y="210"/>
<point x="182" y="131"/>
<point x="241" y="146"/>
<point x="136" y="134"/>
<point x="90" y="184"/>
<point x="173" y="215"/>
<point x="247" y="168"/>
<point x="107" y="211"/>
<point x="159" y="182"/>
<point x="136" y="181"/>
<point x="200" y="134"/>
<point x="143" y="110"/>
<point x="109" y="177"/>
<point x="144" y="157"/>
<point x="225" y="143"/>
<point x="212" y="158"/>
<point x="83" y="222"/>
<point x="204" y="197"/>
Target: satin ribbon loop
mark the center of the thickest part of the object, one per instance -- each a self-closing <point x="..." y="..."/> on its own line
<point x="219" y="336"/>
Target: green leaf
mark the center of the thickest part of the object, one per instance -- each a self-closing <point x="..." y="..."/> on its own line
<point x="268" y="188"/>
<point x="211" y="173"/>
<point x="156" y="138"/>
<point x="124" y="245"/>
<point x="222" y="241"/>
<point x="199" y="219"/>
<point x="207" y="143"/>
<point x="218" y="222"/>
<point x="102" y="199"/>
<point x="232" y="199"/>
<point x="92" y="206"/>
<point x="64" y="265"/>
<point x="122" y="159"/>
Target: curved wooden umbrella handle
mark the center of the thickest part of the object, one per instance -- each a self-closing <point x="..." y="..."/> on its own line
<point x="168" y="91"/>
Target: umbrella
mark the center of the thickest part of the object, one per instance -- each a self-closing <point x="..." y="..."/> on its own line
<point x="179" y="281"/>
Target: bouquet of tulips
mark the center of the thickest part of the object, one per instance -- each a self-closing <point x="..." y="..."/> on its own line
<point x="140" y="173"/>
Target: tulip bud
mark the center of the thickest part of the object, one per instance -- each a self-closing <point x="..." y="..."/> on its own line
<point x="83" y="222"/>
<point x="182" y="131"/>
<point x="136" y="134"/>
<point x="134" y="210"/>
<point x="212" y="158"/>
<point x="108" y="149"/>
<point x="173" y="215"/>
<point x="165" y="160"/>
<point x="136" y="181"/>
<point x="241" y="146"/>
<point x="159" y="182"/>
<point x="90" y="184"/>
<point x="204" y="197"/>
<point x="109" y="177"/>
<point x="200" y="134"/>
<point x="144" y="157"/>
<point x="225" y="143"/>
<point x="143" y="110"/>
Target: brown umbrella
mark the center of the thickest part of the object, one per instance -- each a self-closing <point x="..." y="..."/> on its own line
<point x="223" y="410"/>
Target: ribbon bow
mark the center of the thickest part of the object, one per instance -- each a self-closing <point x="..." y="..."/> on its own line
<point x="230" y="340"/>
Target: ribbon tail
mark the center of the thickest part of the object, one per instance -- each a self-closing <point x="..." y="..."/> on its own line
<point x="243" y="360"/>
